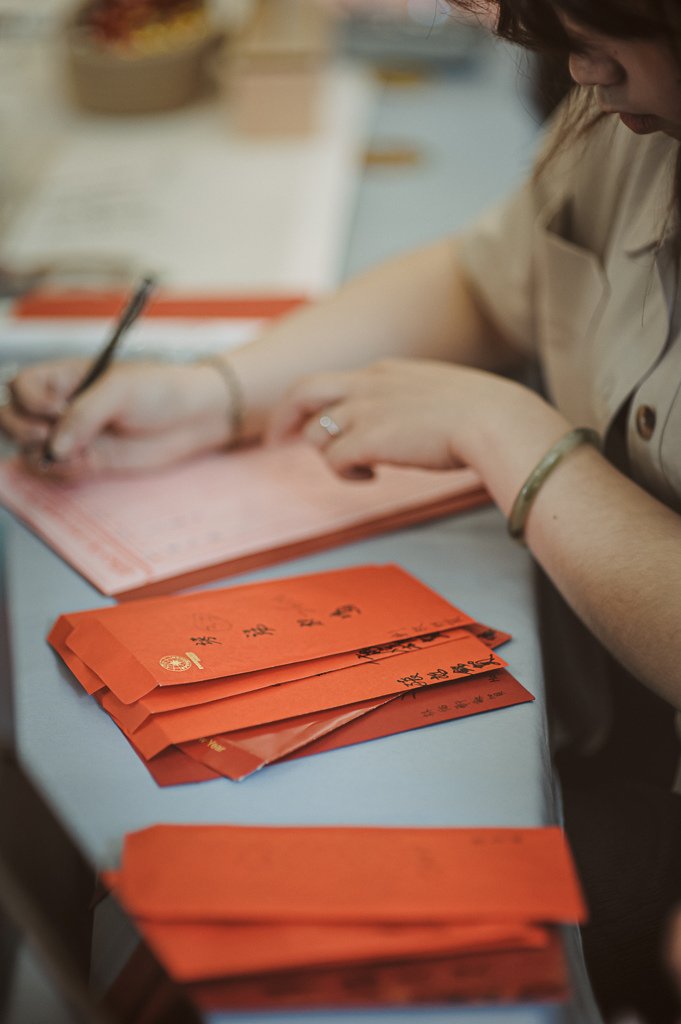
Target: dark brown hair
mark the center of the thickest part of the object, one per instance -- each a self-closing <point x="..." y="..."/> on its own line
<point x="535" y="25"/>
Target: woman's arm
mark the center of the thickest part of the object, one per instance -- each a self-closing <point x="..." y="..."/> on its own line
<point x="612" y="550"/>
<point x="140" y="416"/>
<point x="418" y="305"/>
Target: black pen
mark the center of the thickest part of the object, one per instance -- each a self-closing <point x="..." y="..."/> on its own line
<point x="127" y="318"/>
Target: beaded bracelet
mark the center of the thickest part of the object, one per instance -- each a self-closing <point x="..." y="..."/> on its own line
<point x="235" y="410"/>
<point x="528" y="492"/>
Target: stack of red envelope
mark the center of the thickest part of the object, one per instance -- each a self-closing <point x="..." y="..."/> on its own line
<point x="222" y="682"/>
<point x="265" y="917"/>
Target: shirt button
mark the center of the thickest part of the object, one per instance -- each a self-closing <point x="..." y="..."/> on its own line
<point x="645" y="421"/>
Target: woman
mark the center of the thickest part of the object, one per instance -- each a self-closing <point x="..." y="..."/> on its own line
<point x="580" y="268"/>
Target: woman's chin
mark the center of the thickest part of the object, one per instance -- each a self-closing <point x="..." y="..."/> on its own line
<point x="641" y="124"/>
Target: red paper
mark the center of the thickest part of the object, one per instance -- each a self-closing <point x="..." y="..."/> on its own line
<point x="93" y="305"/>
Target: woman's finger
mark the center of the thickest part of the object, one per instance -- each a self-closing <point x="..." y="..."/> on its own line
<point x="44" y="390"/>
<point x="325" y="426"/>
<point x="350" y="454"/>
<point x="386" y="433"/>
<point x="111" y="453"/>
<point x="88" y="415"/>
<point x="306" y="399"/>
<point x="25" y="430"/>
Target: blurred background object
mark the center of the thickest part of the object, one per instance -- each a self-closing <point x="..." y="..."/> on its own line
<point x="138" y="56"/>
<point x="252" y="178"/>
<point x="29" y="128"/>
<point x="271" y="72"/>
<point x="407" y="34"/>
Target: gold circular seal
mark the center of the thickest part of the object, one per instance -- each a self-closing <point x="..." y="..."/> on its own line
<point x="175" y="663"/>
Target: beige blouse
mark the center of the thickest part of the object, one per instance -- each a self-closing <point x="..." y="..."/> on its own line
<point x="578" y="267"/>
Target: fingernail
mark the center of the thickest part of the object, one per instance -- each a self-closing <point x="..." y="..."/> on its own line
<point x="61" y="446"/>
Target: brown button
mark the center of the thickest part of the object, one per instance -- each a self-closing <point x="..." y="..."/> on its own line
<point x="645" y="421"/>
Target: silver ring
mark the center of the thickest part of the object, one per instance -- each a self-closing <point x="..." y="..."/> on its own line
<point x="329" y="424"/>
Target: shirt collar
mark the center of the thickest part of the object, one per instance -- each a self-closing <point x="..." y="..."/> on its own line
<point x="655" y="219"/>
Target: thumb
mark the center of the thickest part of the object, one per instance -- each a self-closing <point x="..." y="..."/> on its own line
<point x="88" y="416"/>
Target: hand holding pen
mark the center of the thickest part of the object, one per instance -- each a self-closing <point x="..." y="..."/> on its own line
<point x="73" y="420"/>
<point x="128" y="316"/>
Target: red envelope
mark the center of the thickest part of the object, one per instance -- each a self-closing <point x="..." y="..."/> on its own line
<point x="199" y="952"/>
<point x="492" y="976"/>
<point x="213" y="634"/>
<point x="262" y="917"/>
<point x="58" y="635"/>
<point x="204" y="873"/>
<point x="238" y="754"/>
<point x="413" y="710"/>
<point x="173" y="698"/>
<point x="458" y="658"/>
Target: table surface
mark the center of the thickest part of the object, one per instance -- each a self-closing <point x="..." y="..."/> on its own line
<point x="491" y="769"/>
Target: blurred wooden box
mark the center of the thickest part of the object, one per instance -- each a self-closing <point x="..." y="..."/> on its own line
<point x="104" y="80"/>
<point x="274" y="68"/>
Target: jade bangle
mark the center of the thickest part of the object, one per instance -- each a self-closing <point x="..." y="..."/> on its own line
<point x="528" y="492"/>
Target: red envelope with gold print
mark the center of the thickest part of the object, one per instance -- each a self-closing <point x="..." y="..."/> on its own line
<point x="133" y="648"/>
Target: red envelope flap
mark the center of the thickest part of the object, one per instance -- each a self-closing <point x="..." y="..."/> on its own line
<point x="460" y="658"/>
<point x="206" y="873"/>
<point x="128" y="716"/>
<point x="58" y="638"/>
<point x="217" y="633"/>
<point x="95" y="645"/>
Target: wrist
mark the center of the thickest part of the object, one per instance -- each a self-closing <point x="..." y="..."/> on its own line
<point x="537" y="479"/>
<point x="512" y="431"/>
<point x="206" y="403"/>
<point x="224" y="395"/>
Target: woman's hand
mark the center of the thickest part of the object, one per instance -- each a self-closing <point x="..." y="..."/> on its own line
<point x="137" y="416"/>
<point x="417" y="413"/>
<point x="400" y="411"/>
